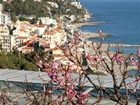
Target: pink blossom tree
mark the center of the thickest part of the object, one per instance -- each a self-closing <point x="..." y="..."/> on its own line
<point x="80" y="76"/>
<point x="84" y="64"/>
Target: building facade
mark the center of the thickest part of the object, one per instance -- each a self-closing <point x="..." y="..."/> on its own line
<point x="4" y="16"/>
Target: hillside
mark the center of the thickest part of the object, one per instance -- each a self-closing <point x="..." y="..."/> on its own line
<point x="50" y="8"/>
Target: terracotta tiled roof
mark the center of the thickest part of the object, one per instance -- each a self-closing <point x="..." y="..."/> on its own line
<point x="43" y="42"/>
<point x="37" y="25"/>
<point x="22" y="30"/>
<point x="58" y="55"/>
<point x="53" y="32"/>
<point x="54" y="49"/>
<point x="27" y="48"/>
<point x="21" y="37"/>
<point x="50" y="33"/>
<point x="34" y="38"/>
<point x="58" y="29"/>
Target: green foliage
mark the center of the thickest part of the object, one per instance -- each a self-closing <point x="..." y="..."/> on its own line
<point x="28" y="7"/>
<point x="16" y="60"/>
<point x="1" y="47"/>
<point x="19" y="61"/>
<point x="34" y="21"/>
<point x="1" y="1"/>
<point x="41" y="9"/>
<point x="23" y="19"/>
<point x="13" y="16"/>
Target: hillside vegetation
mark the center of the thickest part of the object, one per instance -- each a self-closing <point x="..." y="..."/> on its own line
<point x="15" y="60"/>
<point x="43" y="8"/>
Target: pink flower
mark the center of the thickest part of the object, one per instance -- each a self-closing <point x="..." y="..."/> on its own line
<point x="53" y="75"/>
<point x="118" y="58"/>
<point x="71" y="93"/>
<point x="55" y="65"/>
<point x="62" y="82"/>
<point x="94" y="58"/>
<point x="83" y="98"/>
<point x="138" y="52"/>
<point x="89" y="57"/>
<point x="73" y="67"/>
<point x="133" y="61"/>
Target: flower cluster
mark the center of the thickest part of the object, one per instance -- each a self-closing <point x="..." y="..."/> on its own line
<point x="66" y="82"/>
<point x="4" y="96"/>
<point x="83" y="98"/>
<point x="133" y="61"/>
<point x="119" y="58"/>
<point x="94" y="58"/>
<point x="71" y="93"/>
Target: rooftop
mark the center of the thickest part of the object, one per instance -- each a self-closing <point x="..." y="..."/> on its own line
<point x="23" y="76"/>
<point x="42" y="78"/>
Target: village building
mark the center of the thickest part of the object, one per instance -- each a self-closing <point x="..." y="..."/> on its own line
<point x="76" y="3"/>
<point x="23" y="28"/>
<point x="4" y="16"/>
<point x="7" y="41"/>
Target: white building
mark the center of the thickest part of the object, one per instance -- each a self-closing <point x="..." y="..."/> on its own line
<point x="23" y="28"/>
<point x="4" y="17"/>
<point x="76" y="3"/>
<point x="48" y="21"/>
<point x="55" y="38"/>
<point x="40" y="29"/>
<point x="7" y="41"/>
<point x="53" y="4"/>
<point x="20" y="40"/>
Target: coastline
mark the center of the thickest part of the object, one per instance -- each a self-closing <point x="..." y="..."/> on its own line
<point x="97" y="35"/>
<point x="93" y="35"/>
<point x="102" y="35"/>
<point x="86" y="23"/>
<point x="111" y="45"/>
<point x="123" y="27"/>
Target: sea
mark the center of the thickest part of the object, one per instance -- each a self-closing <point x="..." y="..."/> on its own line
<point x="121" y="17"/>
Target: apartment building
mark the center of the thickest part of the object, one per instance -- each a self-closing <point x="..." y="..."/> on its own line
<point x="4" y="16"/>
<point x="55" y="37"/>
<point x="6" y="40"/>
<point x="76" y="3"/>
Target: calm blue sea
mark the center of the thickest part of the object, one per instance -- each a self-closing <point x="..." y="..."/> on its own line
<point x="122" y="19"/>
